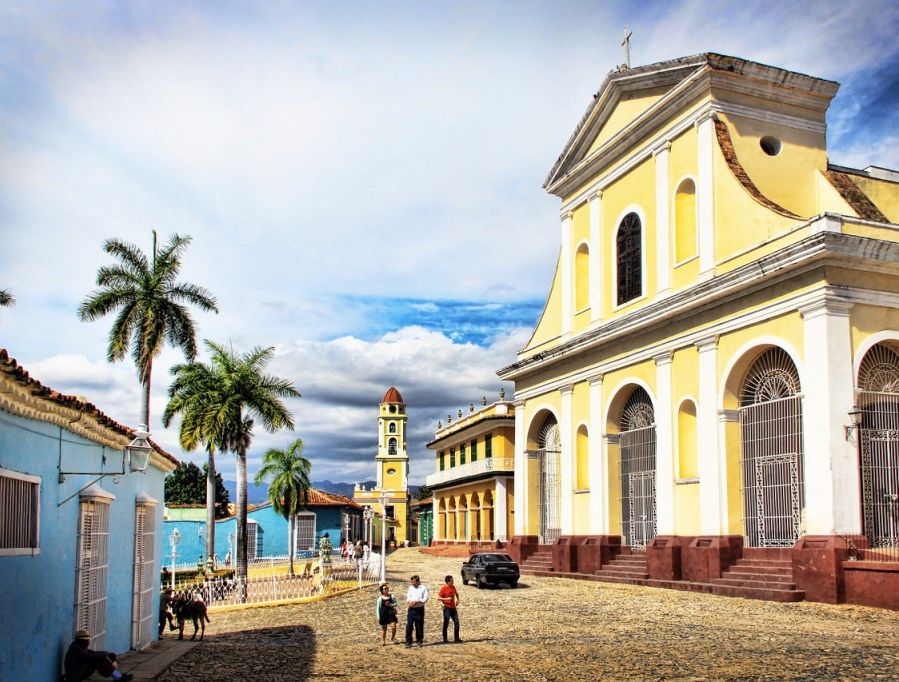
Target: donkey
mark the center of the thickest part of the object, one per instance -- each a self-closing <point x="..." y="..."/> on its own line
<point x="188" y="606"/>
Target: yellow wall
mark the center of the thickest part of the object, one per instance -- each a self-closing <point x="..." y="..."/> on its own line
<point x="549" y="327"/>
<point x="582" y="525"/>
<point x="686" y="506"/>
<point x="884" y="194"/>
<point x="628" y="108"/>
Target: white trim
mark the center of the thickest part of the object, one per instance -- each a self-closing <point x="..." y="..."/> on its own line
<point x="519" y="483"/>
<point x="36" y="511"/>
<point x="566" y="482"/>
<point x="860" y="352"/>
<point x="665" y="512"/>
<point x="597" y="464"/>
<point x="676" y="449"/>
<point x="596" y="259"/>
<point x="758" y="343"/>
<point x="94" y="493"/>
<point x="565" y="263"/>
<point x="619" y="387"/>
<point x="144" y="499"/>
<point x="636" y="209"/>
<point x="705" y="192"/>
<point x="663" y="219"/>
<point x="712" y="496"/>
<point x="581" y="309"/>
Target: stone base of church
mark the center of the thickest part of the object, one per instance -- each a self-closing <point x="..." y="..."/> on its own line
<point x="818" y="566"/>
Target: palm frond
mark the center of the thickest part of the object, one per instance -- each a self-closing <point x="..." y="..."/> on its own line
<point x="129" y="254"/>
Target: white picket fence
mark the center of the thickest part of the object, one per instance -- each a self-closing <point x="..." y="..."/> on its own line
<point x="268" y="580"/>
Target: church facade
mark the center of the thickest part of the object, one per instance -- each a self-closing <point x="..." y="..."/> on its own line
<point x="390" y="495"/>
<point x="715" y="376"/>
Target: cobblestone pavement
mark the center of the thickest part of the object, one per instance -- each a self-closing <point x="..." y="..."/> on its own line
<point x="549" y="629"/>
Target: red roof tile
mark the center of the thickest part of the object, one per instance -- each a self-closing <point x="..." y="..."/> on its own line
<point x="393" y="396"/>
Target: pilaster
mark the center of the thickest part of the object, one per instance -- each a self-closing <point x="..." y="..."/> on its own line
<point x="521" y="472"/>
<point x="712" y="486"/>
<point x="566" y="497"/>
<point x="663" y="221"/>
<point x="501" y="510"/>
<point x="598" y="493"/>
<point x="596" y="250"/>
<point x="705" y="192"/>
<point x="664" y="447"/>
<point x="566" y="274"/>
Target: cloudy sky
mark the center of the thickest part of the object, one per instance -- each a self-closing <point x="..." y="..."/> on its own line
<point x="362" y="180"/>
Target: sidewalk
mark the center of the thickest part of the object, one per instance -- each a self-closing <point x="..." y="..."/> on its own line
<point x="148" y="663"/>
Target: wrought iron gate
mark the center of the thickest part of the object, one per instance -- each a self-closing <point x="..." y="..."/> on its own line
<point x="878" y="442"/>
<point x="550" y="461"/>
<point x="771" y="463"/>
<point x="637" y="445"/>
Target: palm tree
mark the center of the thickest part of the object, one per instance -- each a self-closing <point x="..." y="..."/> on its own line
<point x="287" y="475"/>
<point x="6" y="298"/>
<point x="241" y="395"/>
<point x="150" y="305"/>
<point x="193" y="384"/>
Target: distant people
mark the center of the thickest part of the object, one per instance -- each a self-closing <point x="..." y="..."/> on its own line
<point x="228" y="559"/>
<point x="366" y="553"/>
<point x="385" y="610"/>
<point x="357" y="552"/>
<point x="81" y="662"/>
<point x="166" y="576"/>
<point x="416" y="598"/>
<point x="166" y="599"/>
<point x="449" y="597"/>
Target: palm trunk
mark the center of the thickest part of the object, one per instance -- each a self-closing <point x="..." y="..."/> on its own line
<point x="242" y="522"/>
<point x="291" y="538"/>
<point x="145" y="411"/>
<point x="210" y="503"/>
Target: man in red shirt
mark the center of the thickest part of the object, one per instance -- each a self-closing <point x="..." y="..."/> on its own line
<point x="449" y="597"/>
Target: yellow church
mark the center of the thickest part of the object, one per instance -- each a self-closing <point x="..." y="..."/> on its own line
<point x="390" y="494"/>
<point x="710" y="399"/>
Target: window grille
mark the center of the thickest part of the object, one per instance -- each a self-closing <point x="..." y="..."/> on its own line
<point x="391" y="446"/>
<point x="305" y="531"/>
<point x="550" y="448"/>
<point x="637" y="474"/>
<point x="142" y="611"/>
<point x="628" y="243"/>
<point x="771" y="463"/>
<point x="878" y="441"/>
<point x="254" y="540"/>
<point x="392" y="427"/>
<point x="440" y="460"/>
<point x="462" y="453"/>
<point x="452" y="457"/>
<point x="20" y="500"/>
<point x="91" y="568"/>
<point x="488" y="446"/>
<point x="474" y="450"/>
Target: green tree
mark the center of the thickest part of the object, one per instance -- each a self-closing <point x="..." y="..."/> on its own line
<point x="229" y="406"/>
<point x="6" y="298"/>
<point x="150" y="305"/>
<point x="287" y="475"/>
<point x="191" y="389"/>
<point x="187" y="485"/>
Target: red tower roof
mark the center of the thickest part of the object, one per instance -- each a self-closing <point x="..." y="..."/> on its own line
<point x="393" y="396"/>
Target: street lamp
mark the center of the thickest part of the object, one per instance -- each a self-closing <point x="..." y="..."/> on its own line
<point x="383" y="500"/>
<point x="174" y="539"/>
<point x="367" y="515"/>
<point x="230" y="549"/>
<point x="139" y="449"/>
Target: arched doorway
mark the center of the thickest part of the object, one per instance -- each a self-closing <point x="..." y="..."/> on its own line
<point x="771" y="449"/>
<point x="878" y="445"/>
<point x="475" y="512"/>
<point x="637" y="445"/>
<point x="549" y="444"/>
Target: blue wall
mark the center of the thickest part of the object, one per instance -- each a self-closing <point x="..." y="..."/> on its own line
<point x="271" y="526"/>
<point x="36" y="633"/>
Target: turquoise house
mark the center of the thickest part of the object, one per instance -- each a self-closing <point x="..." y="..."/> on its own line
<point x="330" y="513"/>
<point x="81" y="501"/>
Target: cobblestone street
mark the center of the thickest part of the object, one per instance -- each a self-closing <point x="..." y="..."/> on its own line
<point x="549" y="629"/>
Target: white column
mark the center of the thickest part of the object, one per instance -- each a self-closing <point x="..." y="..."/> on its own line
<point x="607" y="439"/>
<point x="566" y="498"/>
<point x="435" y="520"/>
<point x="597" y="481"/>
<point x="565" y="271"/>
<point x="500" y="510"/>
<point x="663" y="254"/>
<point x="725" y="417"/>
<point x="596" y="249"/>
<point x="712" y="486"/>
<point x="520" y="503"/>
<point x="705" y="192"/>
<point x="830" y="464"/>
<point x="664" y="447"/>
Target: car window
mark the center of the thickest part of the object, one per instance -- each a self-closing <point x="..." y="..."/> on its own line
<point x="473" y="560"/>
<point x="496" y="557"/>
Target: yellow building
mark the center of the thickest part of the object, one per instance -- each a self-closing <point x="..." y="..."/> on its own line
<point x="390" y="495"/>
<point x="725" y="302"/>
<point x="472" y="482"/>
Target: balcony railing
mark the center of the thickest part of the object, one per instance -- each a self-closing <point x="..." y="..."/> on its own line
<point x="481" y="466"/>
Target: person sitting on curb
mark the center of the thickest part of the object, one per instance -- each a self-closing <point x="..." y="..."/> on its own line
<point x="81" y="662"/>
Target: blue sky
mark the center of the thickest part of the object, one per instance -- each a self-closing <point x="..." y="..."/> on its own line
<point x="362" y="180"/>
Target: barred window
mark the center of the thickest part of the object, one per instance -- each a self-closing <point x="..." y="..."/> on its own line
<point x="392" y="427"/>
<point x="488" y="445"/>
<point x="91" y="568"/>
<point x="143" y="615"/>
<point x="305" y="530"/>
<point x="254" y="540"/>
<point x="628" y="244"/>
<point x="452" y="457"/>
<point x="391" y="446"/>
<point x="462" y="453"/>
<point x="474" y="450"/>
<point x="20" y="500"/>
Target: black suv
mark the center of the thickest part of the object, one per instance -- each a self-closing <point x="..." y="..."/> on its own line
<point x="487" y="568"/>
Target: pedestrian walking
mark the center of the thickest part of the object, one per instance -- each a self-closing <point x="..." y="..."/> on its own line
<point x="416" y="598"/>
<point x="385" y="610"/>
<point x="449" y="597"/>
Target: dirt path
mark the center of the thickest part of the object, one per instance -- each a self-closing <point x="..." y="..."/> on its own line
<point x="549" y="629"/>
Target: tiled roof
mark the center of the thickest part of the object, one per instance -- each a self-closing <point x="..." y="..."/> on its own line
<point x="319" y="498"/>
<point x="393" y="396"/>
<point x="16" y="372"/>
<point x="423" y="503"/>
<point x="854" y="196"/>
<point x="730" y="156"/>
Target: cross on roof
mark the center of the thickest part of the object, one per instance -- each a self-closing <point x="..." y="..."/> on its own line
<point x="626" y="43"/>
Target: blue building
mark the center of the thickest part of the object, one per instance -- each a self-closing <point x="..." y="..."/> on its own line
<point x="330" y="513"/>
<point x="81" y="499"/>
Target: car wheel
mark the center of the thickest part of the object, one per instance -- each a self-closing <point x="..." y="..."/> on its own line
<point x="464" y="579"/>
<point x="513" y="584"/>
<point x="482" y="582"/>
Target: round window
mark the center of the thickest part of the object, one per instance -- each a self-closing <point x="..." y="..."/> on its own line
<point x="770" y="145"/>
<point x="391" y="472"/>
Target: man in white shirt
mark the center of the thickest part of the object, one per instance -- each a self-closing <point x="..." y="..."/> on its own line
<point x="416" y="598"/>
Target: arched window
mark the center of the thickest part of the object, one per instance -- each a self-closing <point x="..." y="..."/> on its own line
<point x="582" y="278"/>
<point x="391" y="446"/>
<point x="687" y="465"/>
<point x="629" y="259"/>
<point x="583" y="459"/>
<point x="392" y="427"/>
<point x="685" y="221"/>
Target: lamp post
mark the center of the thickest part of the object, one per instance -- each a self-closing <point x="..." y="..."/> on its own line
<point x="346" y="526"/>
<point x="174" y="538"/>
<point x="230" y="549"/>
<point x="383" y="500"/>
<point x="367" y="515"/>
<point x="139" y="450"/>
